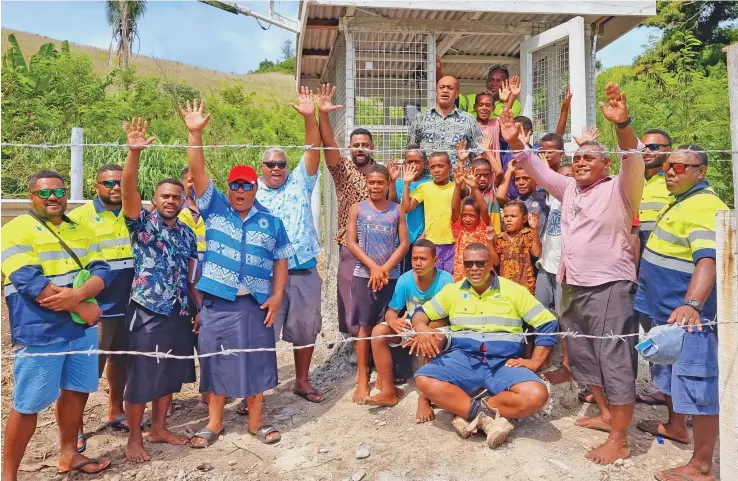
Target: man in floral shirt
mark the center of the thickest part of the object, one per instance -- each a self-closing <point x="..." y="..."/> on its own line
<point x="158" y="317"/>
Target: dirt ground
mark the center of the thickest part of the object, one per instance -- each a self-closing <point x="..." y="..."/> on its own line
<point x="319" y="441"/>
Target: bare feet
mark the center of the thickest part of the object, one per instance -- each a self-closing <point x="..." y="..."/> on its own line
<point x="136" y="453"/>
<point x="686" y="472"/>
<point x="425" y="411"/>
<point x="167" y="437"/>
<point x="361" y="392"/>
<point x="665" y="431"/>
<point x="608" y="452"/>
<point x="82" y="464"/>
<point x="558" y="376"/>
<point x="598" y="423"/>
<point x="388" y="397"/>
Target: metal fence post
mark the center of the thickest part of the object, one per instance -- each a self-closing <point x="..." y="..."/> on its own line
<point x="77" y="170"/>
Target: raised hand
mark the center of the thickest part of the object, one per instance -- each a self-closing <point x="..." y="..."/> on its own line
<point x="325" y="99"/>
<point x="511" y="166"/>
<point x="305" y="103"/>
<point x="505" y="91"/>
<point x="487" y="139"/>
<point x="509" y="130"/>
<point x="194" y="117"/>
<point x="533" y="220"/>
<point x="394" y="170"/>
<point x="566" y="104"/>
<point x="525" y="136"/>
<point x="588" y="135"/>
<point x="411" y="170"/>
<point x="470" y="180"/>
<point x="514" y="86"/>
<point x="459" y="174"/>
<point x="490" y="233"/>
<point x="136" y="134"/>
<point x="461" y="153"/>
<point x="616" y="108"/>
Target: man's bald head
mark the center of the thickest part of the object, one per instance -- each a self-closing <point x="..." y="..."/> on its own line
<point x="447" y="91"/>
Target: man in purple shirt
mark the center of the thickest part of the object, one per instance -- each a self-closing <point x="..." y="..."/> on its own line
<point x="598" y="268"/>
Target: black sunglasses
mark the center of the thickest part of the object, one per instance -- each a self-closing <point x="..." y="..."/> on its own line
<point x="59" y="192"/>
<point x="109" y="183"/>
<point x="279" y="165"/>
<point x="470" y="264"/>
<point x="235" y="186"/>
<point x="655" y="147"/>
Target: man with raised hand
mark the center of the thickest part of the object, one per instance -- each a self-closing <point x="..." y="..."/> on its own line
<point x="288" y="195"/>
<point x="242" y="285"/>
<point x="42" y="254"/>
<point x="158" y="316"/>
<point x="597" y="268"/>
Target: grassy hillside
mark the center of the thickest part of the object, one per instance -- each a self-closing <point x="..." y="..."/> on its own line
<point x="266" y="87"/>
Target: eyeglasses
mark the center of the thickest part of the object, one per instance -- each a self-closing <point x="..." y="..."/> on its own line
<point x="59" y="192"/>
<point x="235" y="186"/>
<point x="678" y="168"/>
<point x="279" y="165"/>
<point x="470" y="264"/>
<point x="655" y="147"/>
<point x="109" y="184"/>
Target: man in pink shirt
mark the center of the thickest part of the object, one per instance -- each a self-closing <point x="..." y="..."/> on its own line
<point x="598" y="268"/>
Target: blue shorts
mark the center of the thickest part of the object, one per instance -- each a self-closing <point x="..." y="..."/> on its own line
<point x="472" y="372"/>
<point x="38" y="380"/>
<point x="692" y="381"/>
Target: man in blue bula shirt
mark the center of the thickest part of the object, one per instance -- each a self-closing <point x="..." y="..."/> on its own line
<point x="243" y="279"/>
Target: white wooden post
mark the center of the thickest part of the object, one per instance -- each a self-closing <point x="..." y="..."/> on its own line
<point x="577" y="74"/>
<point x="77" y="171"/>
<point x="315" y="202"/>
<point x="733" y="93"/>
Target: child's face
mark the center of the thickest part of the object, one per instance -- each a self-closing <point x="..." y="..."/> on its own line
<point x="376" y="185"/>
<point x="439" y="167"/>
<point x="513" y="217"/>
<point x="524" y="183"/>
<point x="415" y="159"/>
<point x="566" y="170"/>
<point x="548" y="149"/>
<point x="469" y="216"/>
<point x="423" y="260"/>
<point x="483" y="106"/>
<point x="482" y="173"/>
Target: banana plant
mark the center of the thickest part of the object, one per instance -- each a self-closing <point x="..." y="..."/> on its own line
<point x="30" y="75"/>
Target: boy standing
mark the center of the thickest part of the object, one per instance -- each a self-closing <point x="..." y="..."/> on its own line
<point x="534" y="199"/>
<point x="374" y="226"/>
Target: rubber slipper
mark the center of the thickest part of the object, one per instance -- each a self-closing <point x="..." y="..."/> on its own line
<point x="83" y="437"/>
<point x="670" y="475"/>
<point x="264" y="431"/>
<point x="317" y="395"/>
<point x="650" y="399"/>
<point x="118" y="425"/>
<point x="652" y="428"/>
<point x="242" y="408"/>
<point x="105" y="465"/>
<point x="587" y="398"/>
<point x="208" y="435"/>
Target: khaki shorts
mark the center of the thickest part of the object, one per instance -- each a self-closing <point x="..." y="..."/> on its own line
<point x="299" y="318"/>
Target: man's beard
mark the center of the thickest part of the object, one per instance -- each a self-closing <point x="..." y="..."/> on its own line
<point x="362" y="162"/>
<point x="106" y="200"/>
<point x="658" y="161"/>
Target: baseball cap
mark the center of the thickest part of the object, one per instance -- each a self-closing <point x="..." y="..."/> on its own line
<point x="242" y="172"/>
<point x="663" y="344"/>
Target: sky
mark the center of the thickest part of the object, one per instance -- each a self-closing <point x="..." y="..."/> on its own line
<point x="198" y="34"/>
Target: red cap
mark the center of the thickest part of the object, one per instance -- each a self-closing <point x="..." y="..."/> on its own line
<point x="242" y="172"/>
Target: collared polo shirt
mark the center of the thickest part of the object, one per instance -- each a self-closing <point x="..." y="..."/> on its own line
<point x="655" y="197"/>
<point x="503" y="308"/>
<point x="115" y="246"/>
<point x="681" y="237"/>
<point x="32" y="257"/>
<point x="291" y="203"/>
<point x="197" y="227"/>
<point x="432" y="131"/>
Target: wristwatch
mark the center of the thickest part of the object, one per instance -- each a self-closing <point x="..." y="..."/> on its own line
<point x="694" y="304"/>
<point x="624" y="124"/>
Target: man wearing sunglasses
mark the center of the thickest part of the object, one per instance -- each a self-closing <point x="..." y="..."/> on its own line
<point x="598" y="267"/>
<point x="655" y="194"/>
<point x="484" y="349"/>
<point x="103" y="215"/>
<point x="288" y="195"/>
<point x="676" y="285"/>
<point x="42" y="254"/>
<point x="243" y="280"/>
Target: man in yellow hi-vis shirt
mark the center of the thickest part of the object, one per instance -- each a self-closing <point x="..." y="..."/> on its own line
<point x="42" y="253"/>
<point x="488" y="313"/>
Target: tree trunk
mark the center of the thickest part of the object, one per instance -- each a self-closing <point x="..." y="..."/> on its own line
<point x="125" y="49"/>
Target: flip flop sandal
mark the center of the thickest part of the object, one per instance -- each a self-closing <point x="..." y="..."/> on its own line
<point x="118" y="425"/>
<point x="264" y="431"/>
<point x="670" y="475"/>
<point x="208" y="435"/>
<point x="315" y="393"/>
<point x="242" y="408"/>
<point x="650" y="399"/>
<point x="645" y="427"/>
<point x="81" y="465"/>
<point x="84" y="437"/>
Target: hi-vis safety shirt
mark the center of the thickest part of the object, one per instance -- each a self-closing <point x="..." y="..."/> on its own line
<point x="655" y="197"/>
<point x="684" y="234"/>
<point x="31" y="258"/>
<point x="503" y="309"/>
<point x="198" y="228"/>
<point x="115" y="247"/>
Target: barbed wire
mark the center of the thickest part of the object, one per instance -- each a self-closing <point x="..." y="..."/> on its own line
<point x="406" y="336"/>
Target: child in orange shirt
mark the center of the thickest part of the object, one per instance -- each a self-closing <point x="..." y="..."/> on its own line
<point x="469" y="222"/>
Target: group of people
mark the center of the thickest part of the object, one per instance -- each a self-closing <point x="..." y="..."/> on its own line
<point x="472" y="251"/>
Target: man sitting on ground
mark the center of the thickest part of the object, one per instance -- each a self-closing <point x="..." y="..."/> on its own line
<point x="491" y="311"/>
<point x="413" y="289"/>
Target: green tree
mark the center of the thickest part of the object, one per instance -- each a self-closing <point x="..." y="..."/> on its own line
<point x="123" y="17"/>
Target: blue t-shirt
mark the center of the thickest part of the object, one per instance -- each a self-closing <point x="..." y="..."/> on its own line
<point x="415" y="219"/>
<point x="408" y="296"/>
